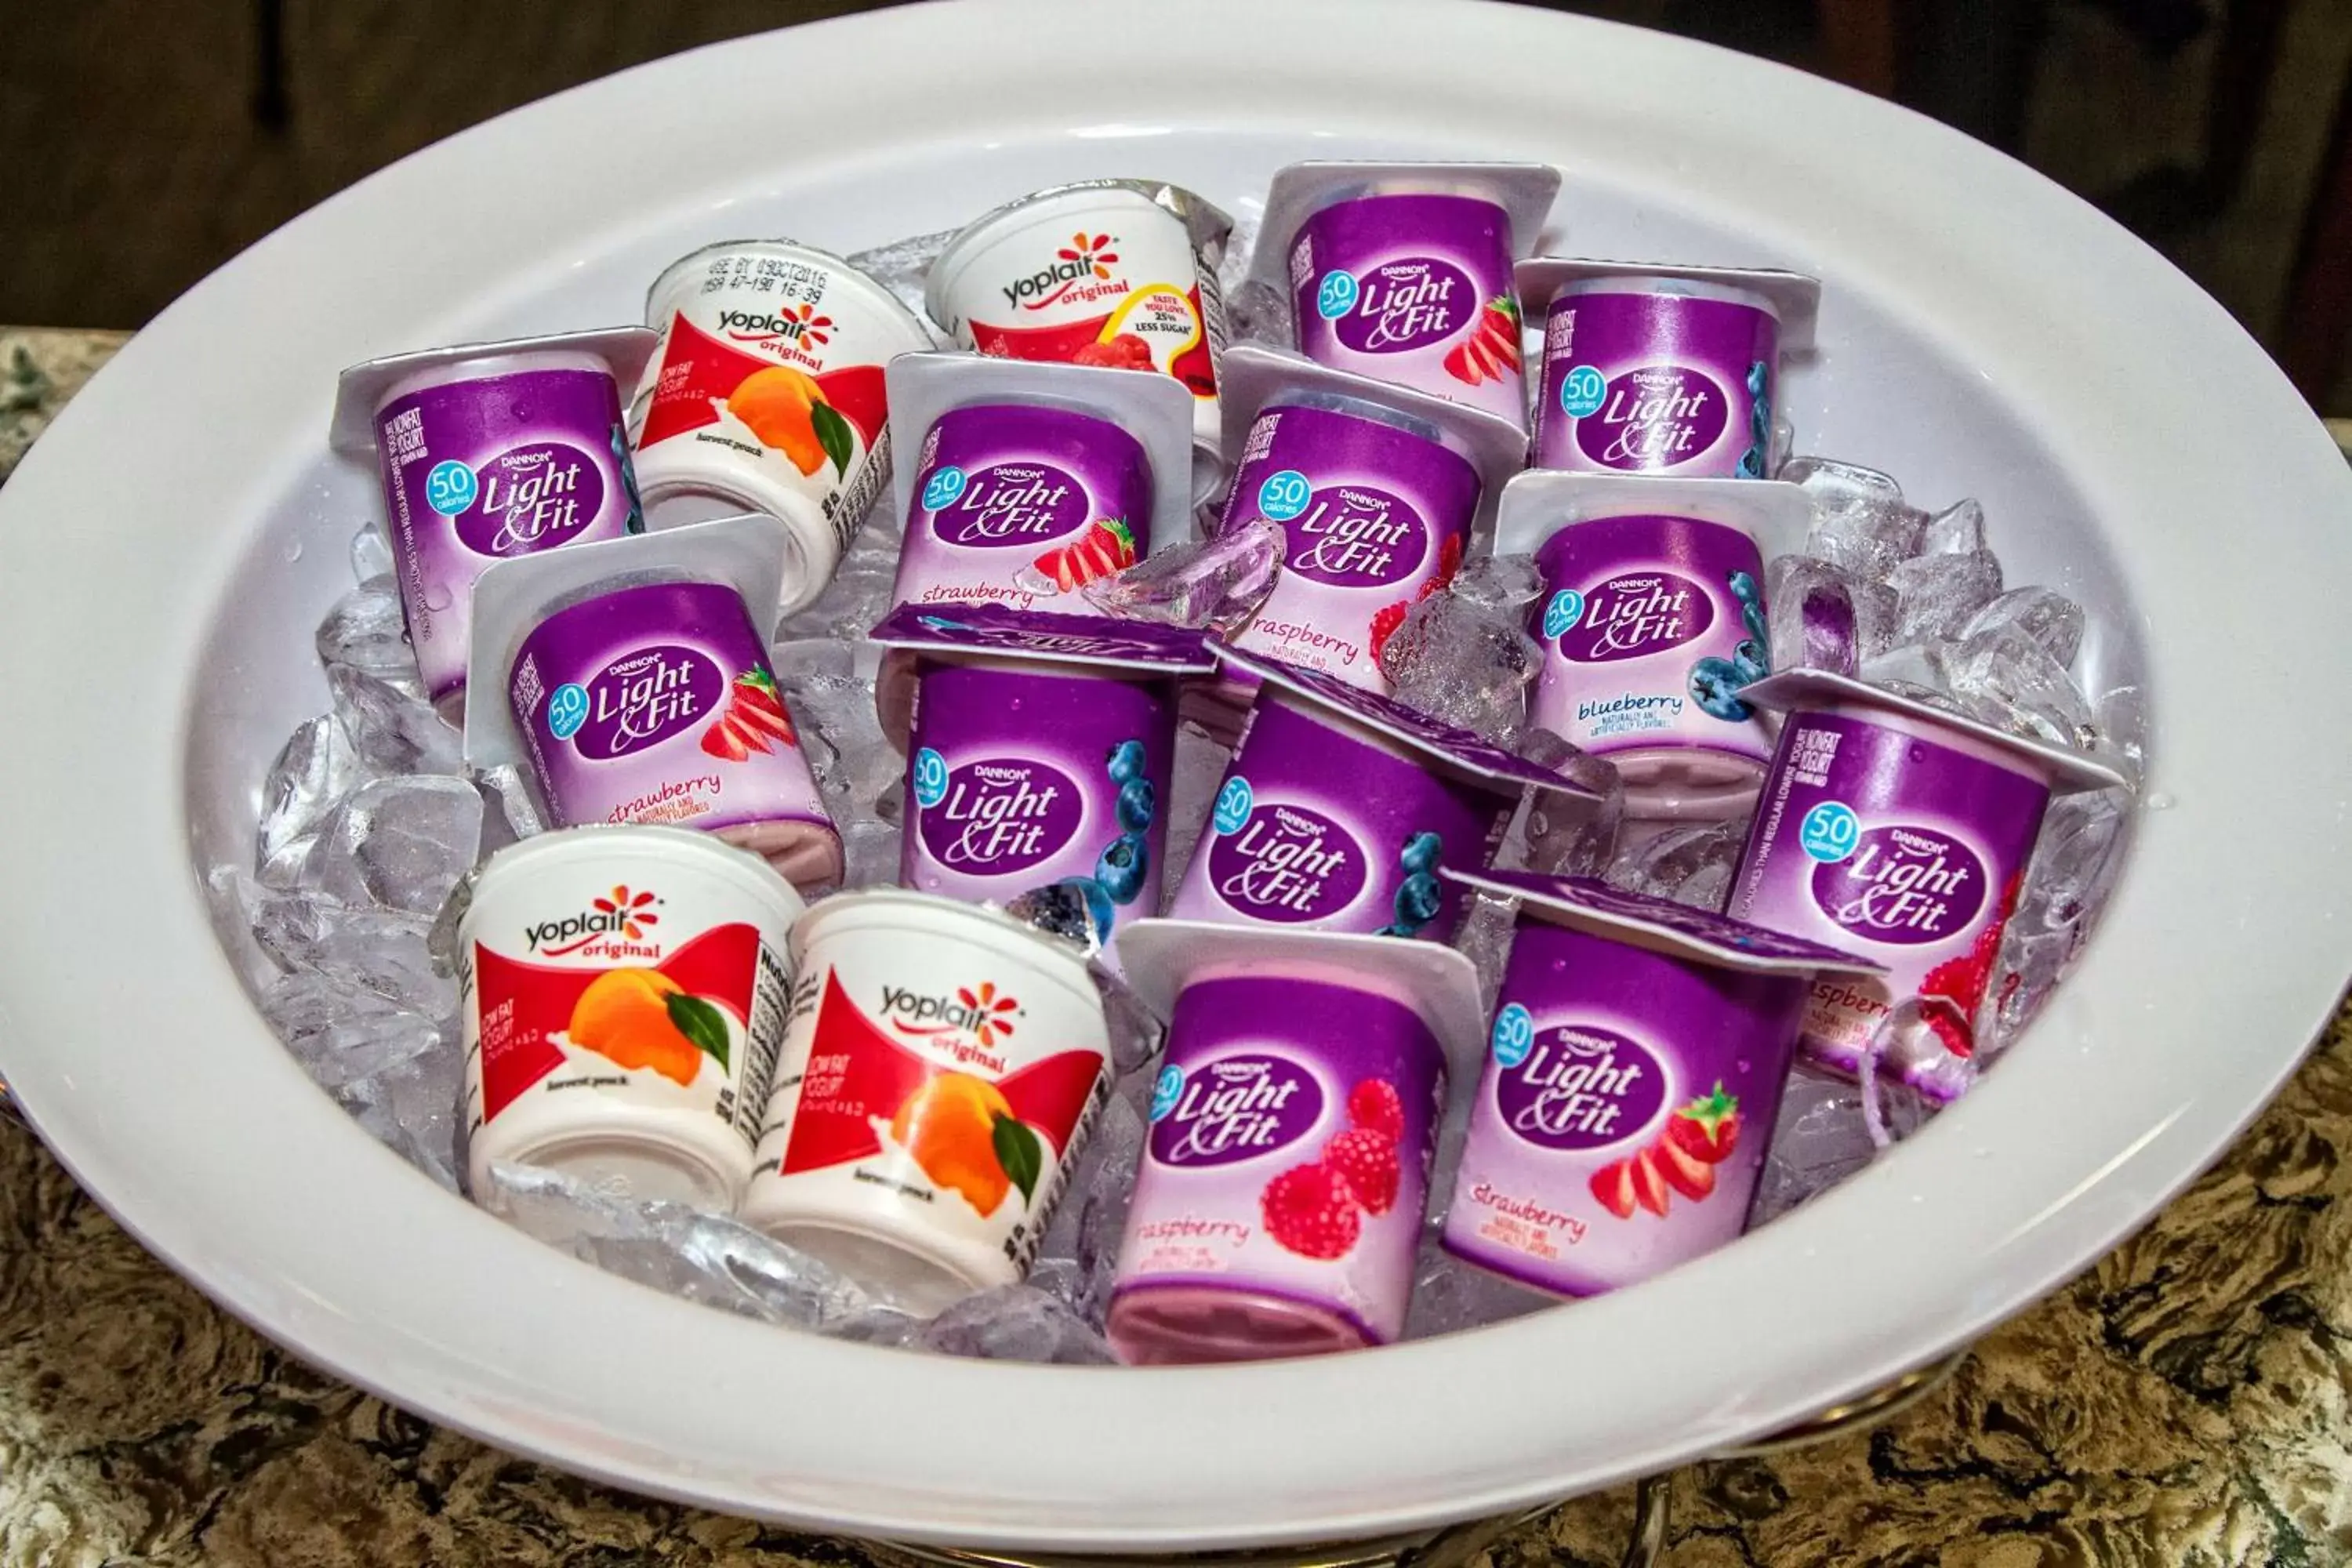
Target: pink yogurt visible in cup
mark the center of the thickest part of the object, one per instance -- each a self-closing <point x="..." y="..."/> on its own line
<point x="1376" y="512"/>
<point x="486" y="453"/>
<point x="1902" y="834"/>
<point x="1634" y="1073"/>
<point x="654" y="703"/>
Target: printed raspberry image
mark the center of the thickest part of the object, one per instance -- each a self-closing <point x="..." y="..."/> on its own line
<point x="1367" y="1161"/>
<point x="1373" y="1105"/>
<point x="1311" y="1211"/>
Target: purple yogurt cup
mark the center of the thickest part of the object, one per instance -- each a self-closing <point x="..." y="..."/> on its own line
<point x="1020" y="505"/>
<point x="1414" y="290"/>
<point x="654" y="703"/>
<point x="1279" y="1203"/>
<point x="1649" y="626"/>
<point x="1903" y="837"/>
<point x="1376" y="512"/>
<point x="485" y="458"/>
<point x="1658" y="375"/>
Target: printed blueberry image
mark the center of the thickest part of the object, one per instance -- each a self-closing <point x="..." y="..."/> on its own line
<point x="620" y="444"/>
<point x="1715" y="686"/>
<point x="1756" y="375"/>
<point x="1121" y="869"/>
<point x="1421" y="852"/>
<point x="1750" y="661"/>
<point x="1125" y="761"/>
<point x="1758" y="627"/>
<point x="1417" y="901"/>
<point x="1137" y="802"/>
<point x="1752" y="463"/>
<point x="1097" y="903"/>
<point x="1744" y="589"/>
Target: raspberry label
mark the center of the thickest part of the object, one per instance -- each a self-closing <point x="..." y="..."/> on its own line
<point x="644" y="698"/>
<point x="1905" y="885"/>
<point x="1407" y="304"/>
<point x="1356" y="536"/>
<point x="1236" y="1108"/>
<point x="1287" y="864"/>
<point x="1579" y="1087"/>
<point x="532" y="498"/>
<point x="1010" y="505"/>
<point x="1631" y="615"/>
<point x="1654" y="417"/>
<point x="1002" y="815"/>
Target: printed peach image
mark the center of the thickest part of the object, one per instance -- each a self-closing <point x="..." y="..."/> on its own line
<point x="962" y="1133"/>
<point x="641" y="1018"/>
<point x="786" y="409"/>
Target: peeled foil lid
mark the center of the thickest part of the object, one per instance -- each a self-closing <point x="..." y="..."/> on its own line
<point x="994" y="631"/>
<point x="1660" y="925"/>
<point x="351" y="429"/>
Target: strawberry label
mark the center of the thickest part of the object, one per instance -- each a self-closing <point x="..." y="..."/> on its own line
<point x="530" y="498"/>
<point x="646" y="697"/>
<point x="1401" y="305"/>
<point x="1286" y="863"/>
<point x="998" y="814"/>
<point x="1903" y="884"/>
<point x="1235" y="1108"/>
<point x="1632" y="616"/>
<point x="1581" y="1087"/>
<point x="1007" y="506"/>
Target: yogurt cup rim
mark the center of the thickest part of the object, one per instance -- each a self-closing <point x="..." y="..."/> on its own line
<point x="776" y="246"/>
<point x="639" y="841"/>
<point x="956" y="255"/>
<point x="979" y="922"/>
<point x="1647" y="285"/>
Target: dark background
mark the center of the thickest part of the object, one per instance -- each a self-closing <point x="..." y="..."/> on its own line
<point x="143" y="144"/>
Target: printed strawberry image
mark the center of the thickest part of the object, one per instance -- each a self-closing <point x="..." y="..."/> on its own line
<point x="753" y="718"/>
<point x="1707" y="1129"/>
<point x="1613" y="1187"/>
<point x="1125" y="352"/>
<point x="1681" y="1158"/>
<point x="1492" y="349"/>
<point x="1367" y="1161"/>
<point x="1951" y="993"/>
<point x="1684" y="1170"/>
<point x="1311" y="1211"/>
<point x="1107" y="545"/>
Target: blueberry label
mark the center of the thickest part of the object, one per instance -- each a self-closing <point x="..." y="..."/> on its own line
<point x="1636" y="613"/>
<point x="1335" y="296"/>
<point x="567" y="709"/>
<point x="1001" y="815"/>
<point x="1284" y="496"/>
<point x="1566" y="608"/>
<point x="531" y="498"/>
<point x="1233" y="805"/>
<point x="1287" y="864"/>
<point x="1515" y="1034"/>
<point x="1830" y="831"/>
<point x="930" y="777"/>
<point x="1582" y="391"/>
<point x="450" y="488"/>
<point x="1656" y="416"/>
<point x="942" y="488"/>
<point x="1166" y="1090"/>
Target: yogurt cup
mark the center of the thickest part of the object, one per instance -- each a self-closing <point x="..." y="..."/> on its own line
<point x="1040" y="753"/>
<point x="1279" y="1207"/>
<point x="1901" y="833"/>
<point x="941" y="1069"/>
<point x="768" y="395"/>
<point x="1662" y="370"/>
<point x="1338" y="808"/>
<point x="1651" y="619"/>
<point x="488" y="452"/>
<point x="1023" y="482"/>
<point x="1631" y="1082"/>
<point x="621" y="993"/>
<point x="638" y="687"/>
<point x="1403" y="271"/>
<point x="1121" y="273"/>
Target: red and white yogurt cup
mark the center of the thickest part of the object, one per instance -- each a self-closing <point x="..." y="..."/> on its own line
<point x="1107" y="272"/>
<point x="942" y="1068"/>
<point x="767" y="395"/>
<point x="622" y="993"/>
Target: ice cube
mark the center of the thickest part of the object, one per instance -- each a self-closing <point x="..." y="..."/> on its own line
<point x="1483" y="937"/>
<point x="871" y="851"/>
<point x="1690" y="864"/>
<point x="371" y="554"/>
<point x="517" y="807"/>
<point x="2120" y="718"/>
<point x="384" y="953"/>
<point x="1913" y="669"/>
<point x="2075" y="865"/>
<point x="1449" y="1295"/>
<point x="1198" y="769"/>
<point x="391" y="730"/>
<point x="1861" y="522"/>
<point x="1074" y="910"/>
<point x="1017" y="1322"/>
<point x="854" y="765"/>
<point x="411" y="1107"/>
<point x="1083" y="1236"/>
<point x="1957" y="530"/>
<point x="1823" y="1135"/>
<point x="1217" y="584"/>
<point x="343" y="1034"/>
<point x="397" y="844"/>
<point x="1937" y="594"/>
<point x="903" y="267"/>
<point x="1258" y="313"/>
<point x="1462" y="664"/>
<point x="1812" y="616"/>
<point x="1505" y="583"/>
<point x="365" y="630"/>
<point x="316" y="768"/>
<point x="2048" y="617"/>
<point x="858" y="595"/>
<point x="1568" y="833"/>
<point x="2008" y="679"/>
<point x="699" y="1257"/>
<point x="1912" y="1049"/>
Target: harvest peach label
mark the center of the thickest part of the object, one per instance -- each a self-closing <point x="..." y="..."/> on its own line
<point x="768" y="395"/>
<point x="1110" y="272"/>
<point x="941" y="1066"/>
<point x="621" y="995"/>
<point x="1634" y="1067"/>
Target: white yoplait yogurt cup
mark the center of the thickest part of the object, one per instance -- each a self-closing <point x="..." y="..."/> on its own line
<point x="943" y="1064"/>
<point x="1104" y="272"/>
<point x="768" y="395"/>
<point x="622" y="994"/>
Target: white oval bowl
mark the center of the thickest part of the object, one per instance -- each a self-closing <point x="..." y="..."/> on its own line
<point x="176" y="534"/>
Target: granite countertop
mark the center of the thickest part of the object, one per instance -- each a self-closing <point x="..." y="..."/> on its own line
<point x="2188" y="1401"/>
